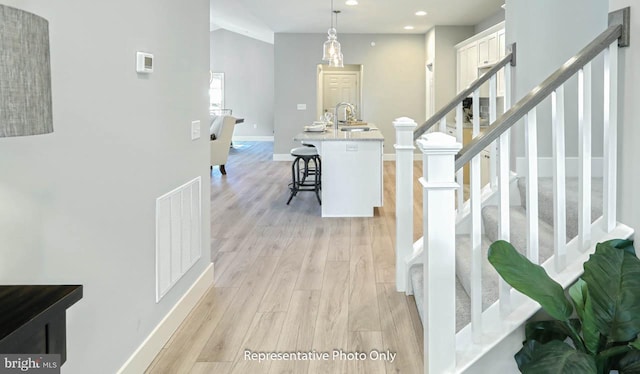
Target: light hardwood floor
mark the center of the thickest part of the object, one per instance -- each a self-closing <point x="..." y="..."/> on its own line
<point x="287" y="280"/>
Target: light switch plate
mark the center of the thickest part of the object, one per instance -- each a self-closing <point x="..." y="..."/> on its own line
<point x="302" y="106"/>
<point x="195" y="130"/>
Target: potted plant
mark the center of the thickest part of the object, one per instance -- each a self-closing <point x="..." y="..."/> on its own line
<point x="602" y="335"/>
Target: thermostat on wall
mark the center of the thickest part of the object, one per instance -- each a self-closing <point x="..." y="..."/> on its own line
<point x="144" y="62"/>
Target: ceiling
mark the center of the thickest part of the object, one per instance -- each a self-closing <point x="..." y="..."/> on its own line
<point x="261" y="18"/>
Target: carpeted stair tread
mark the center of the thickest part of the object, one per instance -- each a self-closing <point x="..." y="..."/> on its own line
<point x="518" y="230"/>
<point x="545" y="201"/>
<point x="463" y="304"/>
<point x="463" y="269"/>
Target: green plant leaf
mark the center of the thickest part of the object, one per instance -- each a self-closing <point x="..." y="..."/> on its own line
<point x="612" y="274"/>
<point x="624" y="244"/>
<point x="558" y="357"/>
<point x="580" y="295"/>
<point x="615" y="351"/>
<point x="630" y="363"/>
<point x="546" y="331"/>
<point x="530" y="279"/>
<point x="525" y="354"/>
<point x="590" y="334"/>
<point x="636" y="343"/>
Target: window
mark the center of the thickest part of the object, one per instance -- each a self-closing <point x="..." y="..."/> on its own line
<point x="216" y="93"/>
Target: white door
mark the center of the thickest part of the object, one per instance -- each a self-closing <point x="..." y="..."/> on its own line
<point x="341" y="87"/>
<point x="430" y="107"/>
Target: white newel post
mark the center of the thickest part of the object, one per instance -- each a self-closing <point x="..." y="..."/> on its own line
<point x="439" y="188"/>
<point x="404" y="198"/>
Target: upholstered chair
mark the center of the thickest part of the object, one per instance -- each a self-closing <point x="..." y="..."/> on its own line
<point x="222" y="130"/>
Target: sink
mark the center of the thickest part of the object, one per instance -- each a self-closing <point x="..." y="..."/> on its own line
<point x="355" y="128"/>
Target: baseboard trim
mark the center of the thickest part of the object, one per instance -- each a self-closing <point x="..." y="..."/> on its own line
<point x="149" y="349"/>
<point x="572" y="166"/>
<point x="250" y="138"/>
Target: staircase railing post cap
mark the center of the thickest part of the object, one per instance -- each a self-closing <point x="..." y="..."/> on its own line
<point x="441" y="142"/>
<point x="404" y="122"/>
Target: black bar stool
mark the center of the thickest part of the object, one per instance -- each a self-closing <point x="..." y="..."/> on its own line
<point x="300" y="174"/>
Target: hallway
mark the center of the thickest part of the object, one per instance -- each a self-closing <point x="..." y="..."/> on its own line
<point x="287" y="280"/>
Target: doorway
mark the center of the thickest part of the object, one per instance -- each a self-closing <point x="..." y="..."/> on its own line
<point x="430" y="94"/>
<point x="337" y="85"/>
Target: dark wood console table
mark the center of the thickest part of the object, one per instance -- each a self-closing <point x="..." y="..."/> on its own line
<point x="33" y="318"/>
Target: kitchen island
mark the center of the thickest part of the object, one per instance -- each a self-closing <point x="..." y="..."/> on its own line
<point x="352" y="184"/>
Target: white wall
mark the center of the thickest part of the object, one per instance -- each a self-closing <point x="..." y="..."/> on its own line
<point x="492" y="20"/>
<point x="548" y="33"/>
<point x="248" y="67"/>
<point x="393" y="82"/>
<point x="78" y="205"/>
<point x="582" y="21"/>
<point x="445" y="65"/>
<point x="629" y="133"/>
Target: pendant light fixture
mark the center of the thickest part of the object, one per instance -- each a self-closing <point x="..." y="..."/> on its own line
<point x="332" y="45"/>
<point x="337" y="60"/>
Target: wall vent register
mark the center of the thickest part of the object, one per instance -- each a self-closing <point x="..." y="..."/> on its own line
<point x="144" y="62"/>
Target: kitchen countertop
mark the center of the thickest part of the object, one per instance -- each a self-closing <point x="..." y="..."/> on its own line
<point x="338" y="135"/>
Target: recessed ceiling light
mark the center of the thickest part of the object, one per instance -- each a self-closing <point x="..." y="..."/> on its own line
<point x="503" y="6"/>
<point x="352" y="2"/>
<point x="408" y="27"/>
<point x="421" y="13"/>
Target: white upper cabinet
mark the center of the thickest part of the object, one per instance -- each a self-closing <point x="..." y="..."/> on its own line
<point x="467" y="65"/>
<point x="488" y="50"/>
<point x="479" y="53"/>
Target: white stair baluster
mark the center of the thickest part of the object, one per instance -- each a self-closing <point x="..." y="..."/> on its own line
<point x="443" y="124"/>
<point x="476" y="229"/>
<point x="404" y="198"/>
<point x="559" y="181"/>
<point x="460" y="173"/>
<point x="504" y="181"/>
<point x="503" y="206"/>
<point x="476" y="112"/>
<point x="531" y="152"/>
<point x="476" y="249"/>
<point x="584" y="156"/>
<point x="493" y="115"/>
<point x="439" y="150"/>
<point x="610" y="136"/>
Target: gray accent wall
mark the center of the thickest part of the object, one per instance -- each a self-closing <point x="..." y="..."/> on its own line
<point x="393" y="83"/>
<point x="445" y="63"/>
<point x="547" y="34"/>
<point x="629" y="131"/>
<point x="78" y="205"/>
<point x="247" y="64"/>
<point x="492" y="20"/>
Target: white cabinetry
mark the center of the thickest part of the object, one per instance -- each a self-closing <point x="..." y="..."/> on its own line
<point x="488" y="50"/>
<point x="351" y="178"/>
<point x="467" y="65"/>
<point x="481" y="51"/>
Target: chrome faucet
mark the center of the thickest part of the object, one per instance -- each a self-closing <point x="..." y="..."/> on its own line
<point x="348" y="105"/>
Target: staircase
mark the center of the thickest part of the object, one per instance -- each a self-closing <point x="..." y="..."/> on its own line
<point x="555" y="215"/>
<point x="518" y="224"/>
